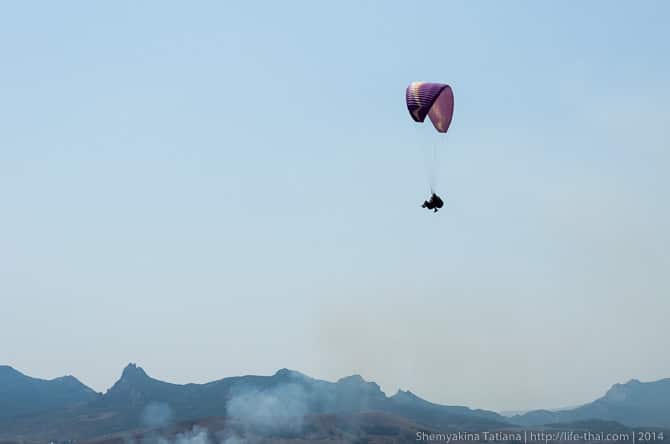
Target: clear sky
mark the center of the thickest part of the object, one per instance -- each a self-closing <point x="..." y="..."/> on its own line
<point x="221" y="188"/>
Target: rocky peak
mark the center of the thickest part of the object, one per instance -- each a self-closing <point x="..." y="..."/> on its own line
<point x="132" y="370"/>
<point x="352" y="380"/>
<point x="356" y="386"/>
<point x="619" y="393"/>
<point x="405" y="396"/>
<point x="131" y="384"/>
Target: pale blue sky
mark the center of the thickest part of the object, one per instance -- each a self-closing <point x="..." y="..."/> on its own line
<point x="217" y="188"/>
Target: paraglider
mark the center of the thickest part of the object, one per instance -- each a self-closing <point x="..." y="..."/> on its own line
<point x="434" y="203"/>
<point x="435" y="100"/>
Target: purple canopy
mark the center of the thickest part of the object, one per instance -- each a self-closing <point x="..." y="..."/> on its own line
<point x="435" y="100"/>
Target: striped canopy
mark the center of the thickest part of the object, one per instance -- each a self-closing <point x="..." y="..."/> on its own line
<point x="435" y="100"/>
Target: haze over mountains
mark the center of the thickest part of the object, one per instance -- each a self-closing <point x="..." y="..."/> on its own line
<point x="21" y="394"/>
<point x="64" y="408"/>
<point x="634" y="403"/>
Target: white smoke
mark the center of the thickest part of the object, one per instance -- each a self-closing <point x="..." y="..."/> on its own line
<point x="278" y="411"/>
<point x="254" y="413"/>
<point x="157" y="414"/>
<point x="234" y="440"/>
<point x="197" y="435"/>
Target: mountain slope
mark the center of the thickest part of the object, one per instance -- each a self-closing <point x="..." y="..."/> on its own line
<point x="285" y="392"/>
<point x="38" y="410"/>
<point x="363" y="428"/>
<point x="22" y="395"/>
<point x="408" y="405"/>
<point x="635" y="403"/>
<point x="136" y="400"/>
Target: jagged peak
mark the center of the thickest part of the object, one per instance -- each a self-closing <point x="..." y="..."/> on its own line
<point x="133" y="379"/>
<point x="133" y="371"/>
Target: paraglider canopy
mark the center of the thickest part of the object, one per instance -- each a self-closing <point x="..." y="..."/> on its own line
<point x="434" y="203"/>
<point x="435" y="100"/>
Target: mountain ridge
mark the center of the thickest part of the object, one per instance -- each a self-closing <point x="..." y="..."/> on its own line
<point x="634" y="404"/>
<point x="138" y="400"/>
<point x="25" y="395"/>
